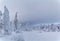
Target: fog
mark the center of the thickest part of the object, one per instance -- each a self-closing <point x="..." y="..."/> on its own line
<point x="42" y="11"/>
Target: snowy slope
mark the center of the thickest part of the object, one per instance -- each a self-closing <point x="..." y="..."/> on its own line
<point x="32" y="36"/>
<point x="13" y="37"/>
<point x="45" y="36"/>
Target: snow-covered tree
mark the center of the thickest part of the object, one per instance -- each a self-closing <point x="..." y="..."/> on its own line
<point x="1" y="23"/>
<point x="6" y="19"/>
<point x="0" y="17"/>
<point x="16" y="22"/>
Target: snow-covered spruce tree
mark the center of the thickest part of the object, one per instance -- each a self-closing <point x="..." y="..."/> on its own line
<point x="1" y="24"/>
<point x="0" y="17"/>
<point x="6" y="20"/>
<point x="52" y="28"/>
<point x="16" y="22"/>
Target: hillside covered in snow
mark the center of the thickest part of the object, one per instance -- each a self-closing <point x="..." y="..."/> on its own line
<point x="32" y="36"/>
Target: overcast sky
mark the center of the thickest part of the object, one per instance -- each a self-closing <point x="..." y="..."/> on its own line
<point x="43" y="11"/>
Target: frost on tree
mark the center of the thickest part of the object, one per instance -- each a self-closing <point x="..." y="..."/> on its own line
<point x="1" y="23"/>
<point x="0" y="17"/>
<point x="6" y="19"/>
<point x="16" y="22"/>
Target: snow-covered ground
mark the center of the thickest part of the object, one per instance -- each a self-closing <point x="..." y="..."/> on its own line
<point x="45" y="36"/>
<point x="32" y="36"/>
<point x="12" y="37"/>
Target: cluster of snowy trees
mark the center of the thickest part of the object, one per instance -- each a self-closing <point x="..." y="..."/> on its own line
<point x="5" y="25"/>
<point x="45" y="28"/>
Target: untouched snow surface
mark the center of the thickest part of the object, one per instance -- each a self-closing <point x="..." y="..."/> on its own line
<point x="32" y="36"/>
<point x="45" y="36"/>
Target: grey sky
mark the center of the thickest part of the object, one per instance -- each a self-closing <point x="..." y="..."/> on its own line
<point x="44" y="11"/>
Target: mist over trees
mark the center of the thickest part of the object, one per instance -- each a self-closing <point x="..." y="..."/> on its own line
<point x="7" y="26"/>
